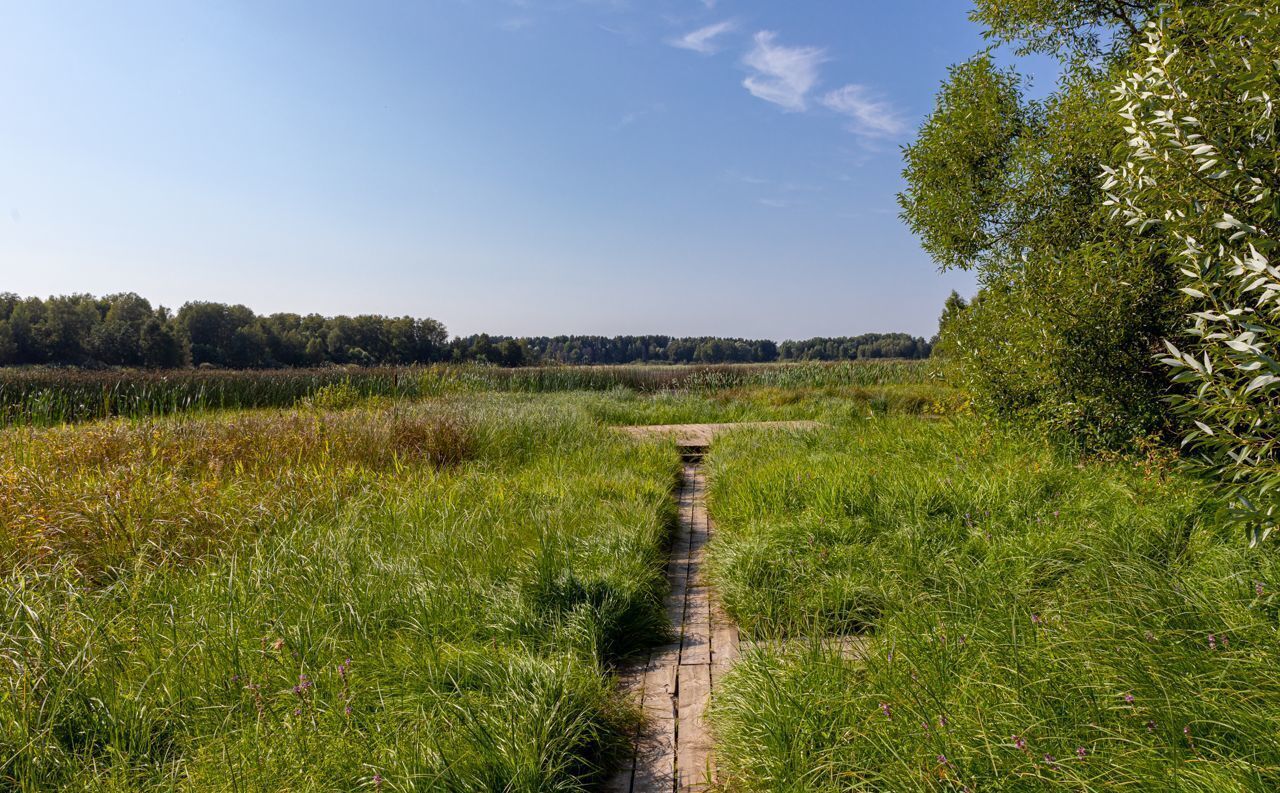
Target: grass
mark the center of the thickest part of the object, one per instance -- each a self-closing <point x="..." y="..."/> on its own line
<point x="409" y="597"/>
<point x="1033" y="622"/>
<point x="41" y="397"/>
<point x="428" y="588"/>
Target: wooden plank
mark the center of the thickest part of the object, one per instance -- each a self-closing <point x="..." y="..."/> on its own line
<point x="655" y="764"/>
<point x="695" y="647"/>
<point x="660" y="682"/>
<point x="693" y="748"/>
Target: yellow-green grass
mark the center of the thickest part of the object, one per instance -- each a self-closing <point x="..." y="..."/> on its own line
<point x="1033" y="621"/>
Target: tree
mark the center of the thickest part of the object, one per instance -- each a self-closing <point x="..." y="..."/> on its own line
<point x="160" y="346"/>
<point x="8" y="347"/>
<point x="512" y="353"/>
<point x="1071" y="307"/>
<point x="1202" y="175"/>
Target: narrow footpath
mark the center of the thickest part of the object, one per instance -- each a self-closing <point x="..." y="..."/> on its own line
<point x="674" y="687"/>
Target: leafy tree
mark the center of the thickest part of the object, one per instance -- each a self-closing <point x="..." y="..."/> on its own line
<point x="1202" y="175"/>
<point x="1071" y="307"/>
<point x="8" y="347"/>
<point x="160" y="346"/>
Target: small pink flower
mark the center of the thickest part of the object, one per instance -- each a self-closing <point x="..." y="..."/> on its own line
<point x="1081" y="752"/>
<point x="1128" y="698"/>
<point x="1019" y="743"/>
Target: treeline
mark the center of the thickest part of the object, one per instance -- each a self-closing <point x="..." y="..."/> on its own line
<point x="508" y="351"/>
<point x="126" y="330"/>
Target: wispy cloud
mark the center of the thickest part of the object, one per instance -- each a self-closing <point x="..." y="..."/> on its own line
<point x="870" y="117"/>
<point x="703" y="40"/>
<point x="783" y="75"/>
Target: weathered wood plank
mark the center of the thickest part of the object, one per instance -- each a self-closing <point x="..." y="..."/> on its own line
<point x="693" y="748"/>
<point x="695" y="647"/>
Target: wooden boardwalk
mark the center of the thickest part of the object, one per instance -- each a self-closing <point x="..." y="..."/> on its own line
<point x="674" y="755"/>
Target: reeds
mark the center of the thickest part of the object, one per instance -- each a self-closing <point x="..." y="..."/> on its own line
<point x="42" y="397"/>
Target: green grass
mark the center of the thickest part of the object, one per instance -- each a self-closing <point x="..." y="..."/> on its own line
<point x="419" y="597"/>
<point x="373" y="591"/>
<point x="1034" y="622"/>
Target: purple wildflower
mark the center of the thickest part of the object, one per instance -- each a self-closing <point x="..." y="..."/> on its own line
<point x="377" y="780"/>
<point x="886" y="710"/>
<point x="1019" y="743"/>
<point x="1213" y="642"/>
<point x="1128" y="698"/>
<point x="1035" y="619"/>
<point x="1151" y="726"/>
<point x="1081" y="752"/>
<point x="1049" y="761"/>
<point x="942" y="720"/>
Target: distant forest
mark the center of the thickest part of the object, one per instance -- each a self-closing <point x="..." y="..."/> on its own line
<point x="126" y="330"/>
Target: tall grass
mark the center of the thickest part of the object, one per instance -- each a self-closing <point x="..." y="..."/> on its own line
<point x="1034" y="622"/>
<point x="42" y="397"/>
<point x="419" y="597"/>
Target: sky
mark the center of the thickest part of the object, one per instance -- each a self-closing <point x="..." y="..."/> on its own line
<point x="520" y="167"/>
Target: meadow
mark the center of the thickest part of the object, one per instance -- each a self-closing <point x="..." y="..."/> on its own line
<point x="433" y="589"/>
<point x="417" y="598"/>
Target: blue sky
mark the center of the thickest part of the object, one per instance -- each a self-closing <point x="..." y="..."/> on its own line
<point x="513" y="166"/>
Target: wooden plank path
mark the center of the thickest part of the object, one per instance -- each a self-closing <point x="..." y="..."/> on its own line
<point x="674" y="754"/>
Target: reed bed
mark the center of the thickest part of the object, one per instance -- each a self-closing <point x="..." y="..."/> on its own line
<point x="42" y="397"/>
